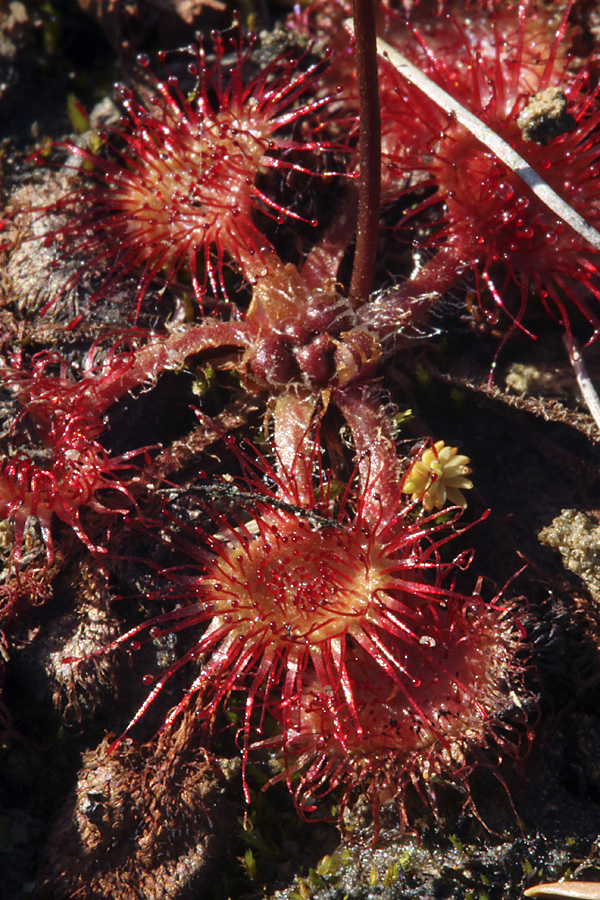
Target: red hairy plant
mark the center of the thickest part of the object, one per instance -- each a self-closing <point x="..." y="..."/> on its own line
<point x="51" y="462"/>
<point x="528" y="43"/>
<point x="179" y="180"/>
<point x="515" y="63"/>
<point x="436" y="694"/>
<point x="308" y="597"/>
<point x="530" y="224"/>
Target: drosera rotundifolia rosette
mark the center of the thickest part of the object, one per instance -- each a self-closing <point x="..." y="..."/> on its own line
<point x="313" y="595"/>
<point x="314" y="578"/>
<point x="177" y="178"/>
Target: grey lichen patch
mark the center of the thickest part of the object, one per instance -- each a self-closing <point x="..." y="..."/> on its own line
<point x="36" y="275"/>
<point x="530" y="380"/>
<point x="81" y="683"/>
<point x="546" y="116"/>
<point x="576" y="536"/>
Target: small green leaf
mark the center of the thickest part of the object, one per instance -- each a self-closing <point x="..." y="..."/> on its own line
<point x="78" y="117"/>
<point x="249" y="864"/>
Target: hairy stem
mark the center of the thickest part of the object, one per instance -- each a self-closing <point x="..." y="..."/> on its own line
<point x="368" y="417"/>
<point x="293" y="417"/>
<point x="166" y="353"/>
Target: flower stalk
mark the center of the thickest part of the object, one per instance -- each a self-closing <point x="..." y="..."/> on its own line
<point x="369" y="151"/>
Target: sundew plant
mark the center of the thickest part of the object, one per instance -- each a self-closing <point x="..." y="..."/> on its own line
<point x="254" y="505"/>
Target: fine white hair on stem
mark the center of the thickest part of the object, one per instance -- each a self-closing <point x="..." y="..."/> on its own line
<point x="503" y="151"/>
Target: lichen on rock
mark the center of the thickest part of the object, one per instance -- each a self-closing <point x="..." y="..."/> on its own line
<point x="576" y="536"/>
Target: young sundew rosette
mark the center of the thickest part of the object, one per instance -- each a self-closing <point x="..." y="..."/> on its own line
<point x="424" y="707"/>
<point x="346" y="627"/>
<point x="174" y="186"/>
<point x="52" y="461"/>
<point x="488" y="112"/>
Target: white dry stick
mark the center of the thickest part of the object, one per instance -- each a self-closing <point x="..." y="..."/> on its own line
<point x="582" y="890"/>
<point x="592" y="401"/>
<point x="506" y="154"/>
